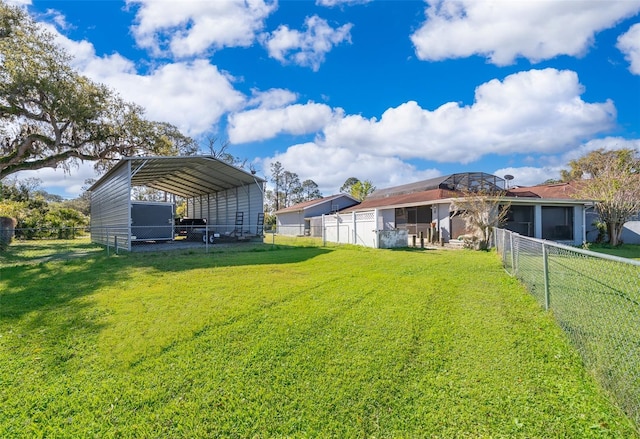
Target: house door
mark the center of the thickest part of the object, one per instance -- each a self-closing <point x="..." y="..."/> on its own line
<point x="557" y="223"/>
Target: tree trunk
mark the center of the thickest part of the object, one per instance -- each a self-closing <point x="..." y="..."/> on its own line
<point x="7" y="229"/>
<point x="615" y="231"/>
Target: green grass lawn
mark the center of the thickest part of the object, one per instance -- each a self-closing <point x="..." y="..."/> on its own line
<point x="285" y="341"/>
<point x="35" y="251"/>
<point x="630" y="251"/>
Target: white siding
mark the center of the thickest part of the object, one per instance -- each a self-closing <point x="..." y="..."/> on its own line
<point x="631" y="232"/>
<point x="294" y="223"/>
<point x="441" y="215"/>
<point x="291" y="223"/>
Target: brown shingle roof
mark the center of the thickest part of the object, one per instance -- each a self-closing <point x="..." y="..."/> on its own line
<point x="404" y="199"/>
<point x="561" y="191"/>
<point x="550" y="191"/>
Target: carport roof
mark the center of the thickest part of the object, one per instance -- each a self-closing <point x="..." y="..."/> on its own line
<point x="185" y="176"/>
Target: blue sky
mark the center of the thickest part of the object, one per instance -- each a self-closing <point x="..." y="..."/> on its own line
<point x="390" y="91"/>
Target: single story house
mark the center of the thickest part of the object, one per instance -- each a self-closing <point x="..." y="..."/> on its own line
<point x="550" y="212"/>
<point x="296" y="220"/>
<point x="423" y="208"/>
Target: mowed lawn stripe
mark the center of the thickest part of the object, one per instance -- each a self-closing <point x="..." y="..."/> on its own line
<point x="294" y="342"/>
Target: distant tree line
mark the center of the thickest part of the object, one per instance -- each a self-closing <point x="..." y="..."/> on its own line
<point x="39" y="214"/>
<point x="288" y="189"/>
<point x="357" y="189"/>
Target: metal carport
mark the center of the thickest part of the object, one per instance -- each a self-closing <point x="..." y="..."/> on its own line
<point x="213" y="189"/>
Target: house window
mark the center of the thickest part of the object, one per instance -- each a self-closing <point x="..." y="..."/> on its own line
<point x="401" y="217"/>
<point x="557" y="223"/>
<point x="520" y="220"/>
<point x="414" y="220"/>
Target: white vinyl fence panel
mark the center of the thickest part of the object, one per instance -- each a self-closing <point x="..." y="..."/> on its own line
<point x="357" y="228"/>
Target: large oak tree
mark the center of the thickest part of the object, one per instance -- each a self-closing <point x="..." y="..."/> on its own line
<point x="51" y="116"/>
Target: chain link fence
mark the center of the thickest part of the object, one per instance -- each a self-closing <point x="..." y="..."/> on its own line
<point x="595" y="298"/>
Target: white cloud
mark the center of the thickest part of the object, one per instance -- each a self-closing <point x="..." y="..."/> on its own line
<point x="329" y="167"/>
<point x="504" y="30"/>
<point x="332" y="3"/>
<point x="531" y="175"/>
<point x="272" y="98"/>
<point x="18" y="2"/>
<point x="190" y="27"/>
<point x="629" y="44"/>
<point x="308" y="48"/>
<point x="191" y="95"/>
<point x="265" y="123"/>
<point x="539" y="111"/>
<point x="606" y="143"/>
<point x="56" y="181"/>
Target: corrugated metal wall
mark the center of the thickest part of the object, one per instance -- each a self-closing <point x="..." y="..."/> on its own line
<point x="220" y="208"/>
<point x="111" y="210"/>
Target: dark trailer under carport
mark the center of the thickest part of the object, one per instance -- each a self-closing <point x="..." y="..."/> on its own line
<point x="152" y="221"/>
<point x="214" y="190"/>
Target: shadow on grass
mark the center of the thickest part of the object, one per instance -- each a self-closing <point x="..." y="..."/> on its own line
<point x="226" y="257"/>
<point x="33" y="287"/>
<point x="414" y="249"/>
<point x="53" y="285"/>
<point x="35" y="252"/>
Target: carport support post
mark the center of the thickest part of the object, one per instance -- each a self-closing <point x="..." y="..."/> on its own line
<point x="545" y="262"/>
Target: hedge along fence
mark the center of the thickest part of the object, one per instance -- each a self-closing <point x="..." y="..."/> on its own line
<point x="595" y="298"/>
<point x="7" y="230"/>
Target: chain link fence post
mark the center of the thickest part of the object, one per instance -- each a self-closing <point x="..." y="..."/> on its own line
<point x="513" y="254"/>
<point x="545" y="264"/>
